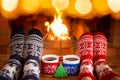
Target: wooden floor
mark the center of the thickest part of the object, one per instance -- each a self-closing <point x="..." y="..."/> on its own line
<point x="113" y="61"/>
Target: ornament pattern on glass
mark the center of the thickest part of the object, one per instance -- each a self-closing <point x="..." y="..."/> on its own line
<point x="72" y="69"/>
<point x="49" y="68"/>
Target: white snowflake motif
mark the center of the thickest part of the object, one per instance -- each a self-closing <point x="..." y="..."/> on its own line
<point x="72" y="70"/>
<point x="49" y="69"/>
<point x="86" y="68"/>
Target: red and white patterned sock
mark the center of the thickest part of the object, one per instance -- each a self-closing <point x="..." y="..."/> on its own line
<point x="102" y="69"/>
<point x="85" y="51"/>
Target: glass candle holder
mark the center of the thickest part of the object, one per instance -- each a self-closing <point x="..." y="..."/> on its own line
<point x="72" y="64"/>
<point x="50" y="63"/>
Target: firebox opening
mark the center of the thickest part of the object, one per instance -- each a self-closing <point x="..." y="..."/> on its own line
<point x="75" y="26"/>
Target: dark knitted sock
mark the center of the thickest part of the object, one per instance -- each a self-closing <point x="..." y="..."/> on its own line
<point x="34" y="46"/>
<point x="11" y="70"/>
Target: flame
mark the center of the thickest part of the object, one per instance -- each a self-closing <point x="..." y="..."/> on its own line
<point x="59" y="29"/>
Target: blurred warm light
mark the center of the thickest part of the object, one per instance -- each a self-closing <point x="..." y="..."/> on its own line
<point x="9" y="5"/>
<point x="86" y="9"/>
<point x="101" y="6"/>
<point x="30" y="6"/>
<point x="83" y="6"/>
<point x="116" y="15"/>
<point x="0" y="7"/>
<point x="45" y="4"/>
<point x="114" y="5"/>
<point x="10" y="15"/>
<point x="10" y="9"/>
<point x="60" y="4"/>
<point x="46" y="7"/>
<point x="70" y="10"/>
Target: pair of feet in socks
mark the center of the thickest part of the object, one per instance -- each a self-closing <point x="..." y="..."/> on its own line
<point x="92" y="51"/>
<point x="33" y="44"/>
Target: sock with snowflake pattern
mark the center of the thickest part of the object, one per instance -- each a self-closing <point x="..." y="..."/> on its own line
<point x="85" y="51"/>
<point x="102" y="69"/>
<point x="14" y="65"/>
<point x="34" y="46"/>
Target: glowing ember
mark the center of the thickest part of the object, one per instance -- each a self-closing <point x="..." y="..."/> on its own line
<point x="58" y="29"/>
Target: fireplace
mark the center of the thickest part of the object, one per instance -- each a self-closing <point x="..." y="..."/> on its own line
<point x="78" y="19"/>
<point x="75" y="27"/>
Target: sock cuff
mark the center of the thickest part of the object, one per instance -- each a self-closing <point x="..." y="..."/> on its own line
<point x="86" y="35"/>
<point x="99" y="34"/>
<point x="18" y="30"/>
<point x="35" y="31"/>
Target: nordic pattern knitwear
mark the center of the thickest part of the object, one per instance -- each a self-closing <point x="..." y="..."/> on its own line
<point x="85" y="46"/>
<point x="34" y="46"/>
<point x="14" y="65"/>
<point x="102" y="69"/>
<point x="85" y="51"/>
<point x="86" y="69"/>
<point x="100" y="46"/>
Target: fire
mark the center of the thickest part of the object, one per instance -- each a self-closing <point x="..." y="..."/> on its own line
<point x="57" y="30"/>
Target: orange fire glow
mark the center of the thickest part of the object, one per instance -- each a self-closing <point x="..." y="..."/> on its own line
<point x="58" y="30"/>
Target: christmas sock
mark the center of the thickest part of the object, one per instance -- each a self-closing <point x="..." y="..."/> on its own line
<point x="103" y="71"/>
<point x="14" y="65"/>
<point x="85" y="51"/>
<point x="34" y="46"/>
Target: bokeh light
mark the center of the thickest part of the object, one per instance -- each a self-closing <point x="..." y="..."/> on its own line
<point x="30" y="6"/>
<point x="86" y="9"/>
<point x="83" y="6"/>
<point x="9" y="5"/>
<point x="60" y="4"/>
<point x="101" y="7"/>
<point x="114" y="5"/>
